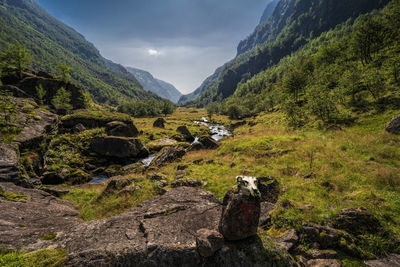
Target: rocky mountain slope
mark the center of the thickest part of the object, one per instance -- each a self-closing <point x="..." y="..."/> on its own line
<point x="52" y="43"/>
<point x="291" y="25"/>
<point x="159" y="87"/>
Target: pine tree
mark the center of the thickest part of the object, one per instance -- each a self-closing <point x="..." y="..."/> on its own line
<point x="61" y="101"/>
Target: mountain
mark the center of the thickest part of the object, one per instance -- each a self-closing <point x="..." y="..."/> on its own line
<point x="51" y="43"/>
<point x="268" y="11"/>
<point x="291" y="25"/>
<point x="159" y="87"/>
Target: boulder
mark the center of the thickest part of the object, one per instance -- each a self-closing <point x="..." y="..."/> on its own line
<point x="161" y="143"/>
<point x="78" y="128"/>
<point x="269" y="189"/>
<point x="10" y="170"/>
<point x="196" y="146"/>
<point x="394" y="125"/>
<point x="168" y="155"/>
<point x="188" y="182"/>
<point x="265" y="217"/>
<point x="240" y="210"/>
<point x="323" y="263"/>
<point x="116" y="184"/>
<point x="208" y="142"/>
<point x="159" y="123"/>
<point x="184" y="131"/>
<point x="24" y="223"/>
<point x="119" y="147"/>
<point x="162" y="232"/>
<point x="118" y="128"/>
<point x="208" y="242"/>
<point x="358" y="221"/>
<point x="35" y="131"/>
<point x="288" y="240"/>
<point x="390" y="261"/>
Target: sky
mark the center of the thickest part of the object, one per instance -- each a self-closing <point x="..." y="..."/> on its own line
<point x="179" y="41"/>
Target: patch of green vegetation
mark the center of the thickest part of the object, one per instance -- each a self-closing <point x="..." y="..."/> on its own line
<point x="39" y="258"/>
<point x="11" y="196"/>
<point x="103" y="117"/>
<point x="49" y="236"/>
<point x="92" y="207"/>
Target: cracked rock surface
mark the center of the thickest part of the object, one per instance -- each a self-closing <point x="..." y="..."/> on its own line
<point x="22" y="224"/>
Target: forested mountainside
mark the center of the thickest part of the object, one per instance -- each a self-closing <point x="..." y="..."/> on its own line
<point x="159" y="87"/>
<point x="52" y="43"/>
<point x="268" y="11"/>
<point x="291" y="25"/>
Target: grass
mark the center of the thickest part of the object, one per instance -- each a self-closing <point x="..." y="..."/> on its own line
<point x="11" y="196"/>
<point x="328" y="170"/>
<point x="39" y="258"/>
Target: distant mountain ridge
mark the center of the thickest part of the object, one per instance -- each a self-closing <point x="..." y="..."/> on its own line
<point x="51" y="43"/>
<point x="159" y="87"/>
<point x="292" y="24"/>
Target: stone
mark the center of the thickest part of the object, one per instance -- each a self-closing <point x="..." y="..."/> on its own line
<point x="162" y="231"/>
<point x="182" y="167"/>
<point x="208" y="242"/>
<point x="35" y="131"/>
<point x="358" y="221"/>
<point x="288" y="240"/>
<point x="119" y="147"/>
<point x="157" y="145"/>
<point x="269" y="189"/>
<point x="196" y="146"/>
<point x="79" y="128"/>
<point x="118" y="128"/>
<point x="208" y="142"/>
<point x="159" y="123"/>
<point x="326" y="237"/>
<point x="128" y="190"/>
<point x="323" y="263"/>
<point x="265" y="217"/>
<point x="157" y="177"/>
<point x="394" y="125"/>
<point x="184" y="131"/>
<point x="188" y="182"/>
<point x="23" y="224"/>
<point x="116" y="184"/>
<point x="10" y="170"/>
<point x="390" y="261"/>
<point x="197" y="161"/>
<point x="241" y="210"/>
<point x="168" y="155"/>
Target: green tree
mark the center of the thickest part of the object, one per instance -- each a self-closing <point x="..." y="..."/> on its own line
<point x="40" y="93"/>
<point x="62" y="99"/>
<point x="7" y="108"/>
<point x="167" y="107"/>
<point x="294" y="82"/>
<point x="63" y="70"/>
<point x="15" y="59"/>
<point x="212" y="108"/>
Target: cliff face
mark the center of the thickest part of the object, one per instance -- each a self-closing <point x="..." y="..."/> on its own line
<point x="291" y="25"/>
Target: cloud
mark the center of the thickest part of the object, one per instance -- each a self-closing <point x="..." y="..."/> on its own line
<point x="153" y="52"/>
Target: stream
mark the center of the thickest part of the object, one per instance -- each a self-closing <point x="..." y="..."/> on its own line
<point x="217" y="133"/>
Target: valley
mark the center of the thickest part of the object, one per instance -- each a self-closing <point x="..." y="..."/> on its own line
<point x="288" y="155"/>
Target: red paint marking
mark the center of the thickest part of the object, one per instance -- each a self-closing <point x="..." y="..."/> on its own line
<point x="247" y="208"/>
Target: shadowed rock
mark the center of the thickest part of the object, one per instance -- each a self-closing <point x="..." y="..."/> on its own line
<point x="184" y="131"/>
<point x="9" y="168"/>
<point x="119" y="147"/>
<point x="358" y="221"/>
<point x="118" y="128"/>
<point x="159" y="123"/>
<point x="394" y="125"/>
<point x="168" y="155"/>
<point x="208" y="242"/>
<point x="208" y="142"/>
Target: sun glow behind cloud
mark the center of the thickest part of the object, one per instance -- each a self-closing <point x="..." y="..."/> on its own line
<point x="153" y="52"/>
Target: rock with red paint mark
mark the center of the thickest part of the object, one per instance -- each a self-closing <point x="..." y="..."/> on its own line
<point x="240" y="214"/>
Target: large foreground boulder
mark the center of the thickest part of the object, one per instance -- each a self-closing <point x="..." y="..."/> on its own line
<point x="34" y="215"/>
<point x="394" y="125"/>
<point x="162" y="232"/>
<point x="118" y="147"/>
<point x="159" y="123"/>
<point x="118" y="128"/>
